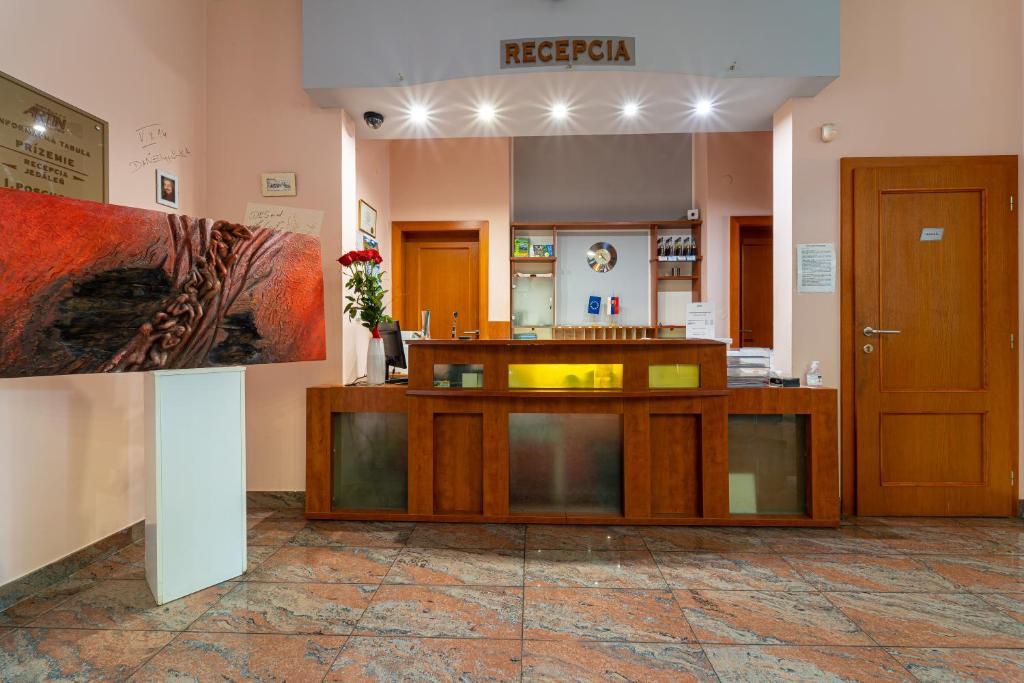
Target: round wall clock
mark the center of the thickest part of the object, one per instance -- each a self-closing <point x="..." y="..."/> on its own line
<point x="601" y="257"/>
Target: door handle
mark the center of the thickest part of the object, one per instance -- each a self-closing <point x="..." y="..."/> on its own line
<point x="868" y="331"/>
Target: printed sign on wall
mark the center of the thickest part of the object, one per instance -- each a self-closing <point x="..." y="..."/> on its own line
<point x="816" y="267"/>
<point x="48" y="146"/>
<point x="568" y="51"/>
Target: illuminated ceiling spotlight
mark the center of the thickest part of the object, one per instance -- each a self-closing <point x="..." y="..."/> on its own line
<point x="559" y="111"/>
<point x="703" y="107"/>
<point x="630" y="110"/>
<point x="486" y="113"/>
<point x="418" y="114"/>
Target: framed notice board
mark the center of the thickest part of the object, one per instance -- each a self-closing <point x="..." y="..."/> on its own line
<point x="49" y="146"/>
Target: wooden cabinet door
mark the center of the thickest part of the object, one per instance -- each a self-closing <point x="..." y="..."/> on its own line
<point x="935" y="264"/>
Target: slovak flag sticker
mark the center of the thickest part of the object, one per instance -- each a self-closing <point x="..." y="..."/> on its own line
<point x="594" y="306"/>
<point x="613" y="305"/>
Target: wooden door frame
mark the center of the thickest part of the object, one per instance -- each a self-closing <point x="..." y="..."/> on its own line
<point x="399" y="231"/>
<point x="736" y="225"/>
<point x="847" y="339"/>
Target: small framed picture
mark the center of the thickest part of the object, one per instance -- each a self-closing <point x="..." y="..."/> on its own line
<point x="166" y="189"/>
<point x="277" y="184"/>
<point x="367" y="219"/>
<point x="370" y="243"/>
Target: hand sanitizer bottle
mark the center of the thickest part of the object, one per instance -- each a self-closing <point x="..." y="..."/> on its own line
<point x="814" y="374"/>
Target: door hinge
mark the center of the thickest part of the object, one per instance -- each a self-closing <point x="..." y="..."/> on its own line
<point x="1011" y="203"/>
<point x="1011" y="477"/>
<point x="1012" y="340"/>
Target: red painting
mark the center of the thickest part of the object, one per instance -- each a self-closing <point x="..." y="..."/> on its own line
<point x="89" y="288"/>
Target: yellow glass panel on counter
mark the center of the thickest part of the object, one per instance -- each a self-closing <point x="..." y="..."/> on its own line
<point x="673" y="376"/>
<point x="572" y="376"/>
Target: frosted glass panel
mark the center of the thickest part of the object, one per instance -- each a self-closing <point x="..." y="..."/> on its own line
<point x="580" y="376"/>
<point x="458" y="376"/>
<point x="679" y="376"/>
<point x="768" y="464"/>
<point x="533" y="301"/>
<point x="565" y="463"/>
<point x="370" y="461"/>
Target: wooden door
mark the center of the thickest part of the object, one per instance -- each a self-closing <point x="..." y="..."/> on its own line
<point x="441" y="273"/>
<point x="935" y="272"/>
<point x="756" y="317"/>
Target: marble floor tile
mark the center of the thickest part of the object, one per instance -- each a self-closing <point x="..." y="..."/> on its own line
<point x="21" y="613"/>
<point x="935" y="665"/>
<point x="326" y="565"/>
<point x="443" y="611"/>
<point x="603" y="614"/>
<point x="452" y="567"/>
<point x="583" y="537"/>
<point x="1007" y="541"/>
<point x="242" y="656"/>
<point x="38" y="654"/>
<point x="853" y="572"/>
<point x="324" y="608"/>
<point x="362" y="534"/>
<point x="561" y="660"/>
<point x="980" y="574"/>
<point x="427" y="660"/>
<point x="593" y="568"/>
<point x="452" y="535"/>
<point x="950" y="540"/>
<point x="846" y="539"/>
<point x="129" y="563"/>
<point x="1010" y="603"/>
<point x="708" y="539"/>
<point x="930" y="619"/>
<point x="767" y="618"/>
<point x="742" y="663"/>
<point x="127" y="604"/>
<point x="729" y="571"/>
<point x="987" y="522"/>
<point x="275" y="531"/>
<point x="254" y="517"/>
<point x="255" y="555"/>
<point x="909" y="521"/>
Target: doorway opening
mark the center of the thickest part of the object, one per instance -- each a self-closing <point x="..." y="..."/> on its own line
<point x="440" y="266"/>
<point x="750" y="281"/>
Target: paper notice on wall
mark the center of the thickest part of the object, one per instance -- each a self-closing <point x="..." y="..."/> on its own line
<point x="816" y="267"/>
<point x="288" y="218"/>
<point x="700" y="320"/>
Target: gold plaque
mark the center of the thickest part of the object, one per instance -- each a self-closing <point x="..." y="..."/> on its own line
<point x="48" y="146"/>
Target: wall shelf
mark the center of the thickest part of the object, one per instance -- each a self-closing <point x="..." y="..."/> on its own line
<point x="659" y="266"/>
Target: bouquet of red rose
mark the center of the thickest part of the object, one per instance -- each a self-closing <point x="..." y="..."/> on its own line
<point x="365" y="282"/>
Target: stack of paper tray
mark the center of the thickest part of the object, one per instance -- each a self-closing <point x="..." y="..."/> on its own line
<point x="749" y="367"/>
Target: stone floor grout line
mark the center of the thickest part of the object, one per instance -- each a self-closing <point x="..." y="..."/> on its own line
<point x="147" y="660"/>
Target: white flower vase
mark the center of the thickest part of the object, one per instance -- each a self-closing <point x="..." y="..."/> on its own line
<point x="375" y="369"/>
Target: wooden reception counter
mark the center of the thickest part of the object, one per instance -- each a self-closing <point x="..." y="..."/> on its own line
<point x="572" y="431"/>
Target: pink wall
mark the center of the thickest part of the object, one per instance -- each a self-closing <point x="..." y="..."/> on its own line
<point x="735" y="172"/>
<point x="458" y="179"/>
<point x="260" y="119"/>
<point x="919" y="77"/>
<point x="71" y="447"/>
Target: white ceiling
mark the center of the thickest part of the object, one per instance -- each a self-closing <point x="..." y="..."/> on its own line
<point x="595" y="99"/>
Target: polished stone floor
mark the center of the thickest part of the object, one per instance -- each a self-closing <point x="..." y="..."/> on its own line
<point x="875" y="600"/>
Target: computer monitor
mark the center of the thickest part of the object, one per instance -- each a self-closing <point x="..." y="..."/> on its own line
<point x="394" y="349"/>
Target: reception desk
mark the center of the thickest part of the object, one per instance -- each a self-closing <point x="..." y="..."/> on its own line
<point x="572" y="431"/>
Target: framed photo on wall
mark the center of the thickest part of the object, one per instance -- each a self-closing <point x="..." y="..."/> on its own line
<point x="278" y="184"/>
<point x="367" y="219"/>
<point x="167" y="189"/>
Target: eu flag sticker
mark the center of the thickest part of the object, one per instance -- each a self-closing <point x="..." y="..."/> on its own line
<point x="594" y="306"/>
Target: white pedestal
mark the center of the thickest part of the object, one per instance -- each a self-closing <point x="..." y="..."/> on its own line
<point x="195" y="479"/>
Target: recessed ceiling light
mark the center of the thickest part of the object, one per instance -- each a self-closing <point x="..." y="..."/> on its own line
<point x="39" y="128"/>
<point x="630" y="109"/>
<point x="486" y="113"/>
<point x="703" y="108"/>
<point x="560" y="111"/>
<point x="418" y="114"/>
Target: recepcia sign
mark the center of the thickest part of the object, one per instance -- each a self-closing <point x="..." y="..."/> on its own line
<point x="49" y="147"/>
<point x="568" y="51"/>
